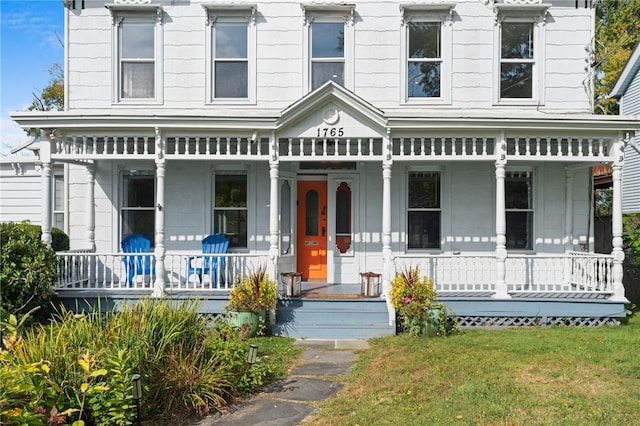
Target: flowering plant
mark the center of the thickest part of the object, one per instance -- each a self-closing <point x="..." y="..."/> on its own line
<point x="255" y="293"/>
<point x="413" y="297"/>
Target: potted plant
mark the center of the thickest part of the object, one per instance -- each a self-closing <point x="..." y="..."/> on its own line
<point x="252" y="301"/>
<point x="413" y="297"/>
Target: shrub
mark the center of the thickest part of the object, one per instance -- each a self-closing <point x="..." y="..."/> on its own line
<point x="632" y="235"/>
<point x="28" y="271"/>
<point x="255" y="293"/>
<point x="59" y="240"/>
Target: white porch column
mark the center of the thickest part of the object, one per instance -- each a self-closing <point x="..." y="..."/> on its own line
<point x="91" y="207"/>
<point x="387" y="257"/>
<point x="46" y="186"/>
<point x="274" y="230"/>
<point x="159" y="252"/>
<point x="616" y="223"/>
<point x="568" y="212"/>
<point x="501" y="224"/>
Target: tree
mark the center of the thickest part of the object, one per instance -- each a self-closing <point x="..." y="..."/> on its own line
<point x="617" y="32"/>
<point x="52" y="96"/>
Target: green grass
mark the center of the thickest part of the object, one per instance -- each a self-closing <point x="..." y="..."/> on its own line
<point x="528" y="376"/>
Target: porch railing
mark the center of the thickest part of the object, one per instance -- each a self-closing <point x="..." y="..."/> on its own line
<point x="554" y="273"/>
<point x="109" y="271"/>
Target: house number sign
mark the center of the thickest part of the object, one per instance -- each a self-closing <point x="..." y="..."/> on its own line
<point x="324" y="132"/>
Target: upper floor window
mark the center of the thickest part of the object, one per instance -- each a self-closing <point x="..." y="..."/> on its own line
<point x="137" y="53"/>
<point x="519" y="49"/>
<point x="426" y="52"/>
<point x="327" y="53"/>
<point x="329" y="44"/>
<point x="231" y="34"/>
<point x="424" y="63"/>
<point x="516" y="60"/>
<point x="231" y="64"/>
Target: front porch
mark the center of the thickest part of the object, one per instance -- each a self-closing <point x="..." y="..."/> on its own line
<point x="568" y="289"/>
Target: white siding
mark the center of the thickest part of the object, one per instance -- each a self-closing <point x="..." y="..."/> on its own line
<point x="279" y="57"/>
<point x="20" y="192"/>
<point x="631" y="170"/>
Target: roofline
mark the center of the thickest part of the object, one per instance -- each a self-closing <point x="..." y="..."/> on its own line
<point x="626" y="76"/>
<point x="394" y="122"/>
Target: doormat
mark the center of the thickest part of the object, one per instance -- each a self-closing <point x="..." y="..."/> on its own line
<point x="330" y="296"/>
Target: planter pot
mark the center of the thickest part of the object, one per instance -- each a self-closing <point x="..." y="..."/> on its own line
<point x="428" y="326"/>
<point x="248" y="320"/>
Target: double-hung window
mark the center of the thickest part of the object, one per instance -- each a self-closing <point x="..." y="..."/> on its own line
<point x="424" y="60"/>
<point x="137" y="53"/>
<point x="138" y="204"/>
<point x="231" y="34"/>
<point x="58" y="201"/>
<point x="519" y="50"/>
<point x="329" y="44"/>
<point x="230" y="207"/>
<point x="426" y="52"/>
<point x="517" y="60"/>
<point x="424" y="211"/>
<point x="519" y="210"/>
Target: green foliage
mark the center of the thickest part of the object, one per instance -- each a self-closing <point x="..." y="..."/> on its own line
<point x="28" y="270"/>
<point x="631" y="235"/>
<point x="78" y="368"/>
<point x="255" y="293"/>
<point x="52" y="97"/>
<point x="617" y="32"/>
<point x="59" y="240"/>
<point x="419" y="314"/>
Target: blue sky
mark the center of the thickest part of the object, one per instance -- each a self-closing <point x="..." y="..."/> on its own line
<point x="28" y="48"/>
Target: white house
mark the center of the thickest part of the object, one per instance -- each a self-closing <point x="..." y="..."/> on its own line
<point x="332" y="139"/>
<point x="627" y="90"/>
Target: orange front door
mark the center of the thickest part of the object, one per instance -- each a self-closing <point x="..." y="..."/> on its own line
<point x="312" y="230"/>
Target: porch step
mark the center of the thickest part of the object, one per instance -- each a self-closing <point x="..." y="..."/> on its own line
<point x="336" y="318"/>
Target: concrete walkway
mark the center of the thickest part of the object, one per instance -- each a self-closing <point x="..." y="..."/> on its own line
<point x="287" y="402"/>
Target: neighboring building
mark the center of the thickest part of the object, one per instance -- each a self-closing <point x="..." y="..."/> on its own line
<point x="627" y="90"/>
<point x="332" y="139"/>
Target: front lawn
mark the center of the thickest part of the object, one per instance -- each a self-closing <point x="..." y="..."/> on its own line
<point x="527" y="376"/>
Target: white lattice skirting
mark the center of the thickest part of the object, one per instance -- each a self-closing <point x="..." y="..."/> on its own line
<point x="490" y="322"/>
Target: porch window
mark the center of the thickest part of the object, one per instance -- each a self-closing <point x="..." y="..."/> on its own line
<point x="424" y="212"/>
<point x="231" y="61"/>
<point x="343" y="217"/>
<point x="519" y="210"/>
<point x="424" y="59"/>
<point x="517" y="60"/>
<point x="230" y="209"/>
<point x="286" y="230"/>
<point x="138" y="206"/>
<point x="327" y="53"/>
<point x="58" y="202"/>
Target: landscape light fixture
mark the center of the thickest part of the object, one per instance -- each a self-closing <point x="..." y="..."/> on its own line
<point x="136" y="380"/>
<point x="252" y="355"/>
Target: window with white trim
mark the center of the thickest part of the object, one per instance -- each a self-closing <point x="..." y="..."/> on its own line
<point x="231" y="40"/>
<point x="329" y="44"/>
<point x="58" y="202"/>
<point x="137" y="53"/>
<point x="517" y="60"/>
<point x="230" y="207"/>
<point x="423" y="210"/>
<point x="519" y="210"/>
<point x="426" y="52"/>
<point x="286" y="215"/>
<point x="519" y="52"/>
<point x="137" y="211"/>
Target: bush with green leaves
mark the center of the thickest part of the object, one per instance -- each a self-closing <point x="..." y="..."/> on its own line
<point x="28" y="270"/>
<point x="632" y="236"/>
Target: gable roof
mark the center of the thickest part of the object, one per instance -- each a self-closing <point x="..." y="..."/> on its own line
<point x="628" y="73"/>
<point x="331" y="92"/>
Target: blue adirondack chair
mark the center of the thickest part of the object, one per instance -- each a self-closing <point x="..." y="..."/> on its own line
<point x="210" y="265"/>
<point x="137" y="264"/>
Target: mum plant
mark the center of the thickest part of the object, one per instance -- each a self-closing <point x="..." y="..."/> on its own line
<point x="413" y="298"/>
